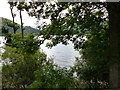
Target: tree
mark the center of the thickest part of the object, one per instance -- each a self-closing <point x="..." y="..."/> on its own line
<point x="21" y="58"/>
<point x="93" y="66"/>
<point x="25" y="67"/>
<point x="52" y="76"/>
<point x="20" y="8"/>
<point x="88" y="17"/>
<point x="114" y="43"/>
<point x="12" y="5"/>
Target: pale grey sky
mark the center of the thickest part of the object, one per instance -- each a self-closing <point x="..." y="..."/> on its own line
<point x="5" y="12"/>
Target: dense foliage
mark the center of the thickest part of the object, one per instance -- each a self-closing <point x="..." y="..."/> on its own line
<point x="69" y="20"/>
<point x="20" y="62"/>
<point x="26" y="67"/>
<point x="85" y="24"/>
<point x="52" y="76"/>
<point x="7" y="26"/>
<point x="93" y="66"/>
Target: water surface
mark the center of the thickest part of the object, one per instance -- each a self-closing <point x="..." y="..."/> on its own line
<point x="64" y="55"/>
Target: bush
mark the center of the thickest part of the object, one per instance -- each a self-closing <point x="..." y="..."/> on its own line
<point x="21" y="58"/>
<point x="52" y="76"/>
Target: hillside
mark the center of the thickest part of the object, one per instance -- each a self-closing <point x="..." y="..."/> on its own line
<point x="7" y="24"/>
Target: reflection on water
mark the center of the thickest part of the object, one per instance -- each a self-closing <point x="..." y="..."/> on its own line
<point x="64" y="55"/>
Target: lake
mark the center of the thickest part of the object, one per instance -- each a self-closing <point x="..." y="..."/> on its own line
<point x="63" y="56"/>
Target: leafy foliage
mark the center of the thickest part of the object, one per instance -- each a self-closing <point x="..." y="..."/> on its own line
<point x="69" y="21"/>
<point x="21" y="59"/>
<point x="52" y="76"/>
<point x="28" y="45"/>
<point x="94" y="65"/>
<point x="79" y="21"/>
<point x="24" y="66"/>
<point x="18" y="70"/>
<point x="7" y="26"/>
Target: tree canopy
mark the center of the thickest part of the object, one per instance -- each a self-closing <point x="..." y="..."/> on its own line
<point x="93" y="27"/>
<point x="82" y="19"/>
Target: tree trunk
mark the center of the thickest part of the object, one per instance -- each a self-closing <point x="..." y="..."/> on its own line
<point x="11" y="9"/>
<point x="21" y="24"/>
<point x="114" y="43"/>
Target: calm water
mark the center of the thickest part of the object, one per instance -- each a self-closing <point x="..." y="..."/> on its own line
<point x="63" y="55"/>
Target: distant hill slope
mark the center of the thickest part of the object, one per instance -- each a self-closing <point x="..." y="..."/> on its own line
<point x="27" y="29"/>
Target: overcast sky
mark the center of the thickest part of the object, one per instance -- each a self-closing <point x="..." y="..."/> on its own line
<point x="5" y="12"/>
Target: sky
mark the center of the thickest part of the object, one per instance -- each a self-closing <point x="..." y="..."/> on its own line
<point x="27" y="20"/>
